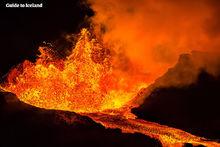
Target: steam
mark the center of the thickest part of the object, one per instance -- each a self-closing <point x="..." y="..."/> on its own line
<point x="153" y="34"/>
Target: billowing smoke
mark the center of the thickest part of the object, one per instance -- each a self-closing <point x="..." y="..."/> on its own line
<point x="153" y="34"/>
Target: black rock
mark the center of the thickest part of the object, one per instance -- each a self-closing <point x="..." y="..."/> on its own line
<point x="25" y="125"/>
<point x="193" y="108"/>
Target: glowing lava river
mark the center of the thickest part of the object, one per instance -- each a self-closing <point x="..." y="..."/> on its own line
<point x="92" y="82"/>
<point x="168" y="136"/>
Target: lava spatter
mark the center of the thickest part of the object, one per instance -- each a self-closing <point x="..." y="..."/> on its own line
<point x="86" y="81"/>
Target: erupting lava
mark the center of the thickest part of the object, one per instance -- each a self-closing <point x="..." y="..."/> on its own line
<point x="86" y="81"/>
<point x="89" y="82"/>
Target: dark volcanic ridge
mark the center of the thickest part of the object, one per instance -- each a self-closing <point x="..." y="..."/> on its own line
<point x="25" y="125"/>
<point x="185" y="97"/>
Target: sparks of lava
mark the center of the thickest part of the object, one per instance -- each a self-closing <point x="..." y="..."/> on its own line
<point x="86" y="81"/>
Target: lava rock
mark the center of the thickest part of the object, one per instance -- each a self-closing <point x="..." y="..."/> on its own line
<point x="25" y="125"/>
<point x="193" y="108"/>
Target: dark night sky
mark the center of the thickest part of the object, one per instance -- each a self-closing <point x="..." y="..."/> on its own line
<point x="22" y="30"/>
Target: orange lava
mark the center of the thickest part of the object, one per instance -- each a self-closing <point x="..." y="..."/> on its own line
<point x="168" y="136"/>
<point x="88" y="80"/>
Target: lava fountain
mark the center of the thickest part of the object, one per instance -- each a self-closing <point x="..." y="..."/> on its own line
<point x="86" y="81"/>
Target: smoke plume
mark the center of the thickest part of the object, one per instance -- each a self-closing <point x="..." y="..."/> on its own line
<point x="153" y="34"/>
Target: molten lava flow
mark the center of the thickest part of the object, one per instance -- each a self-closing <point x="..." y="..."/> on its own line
<point x="86" y="81"/>
<point x="168" y="136"/>
<point x="92" y="82"/>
